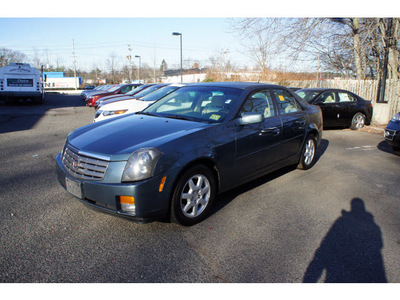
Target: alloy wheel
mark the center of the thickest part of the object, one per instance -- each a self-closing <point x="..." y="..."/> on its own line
<point x="195" y="196"/>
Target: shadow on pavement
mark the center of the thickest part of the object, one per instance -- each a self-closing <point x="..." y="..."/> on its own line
<point x="386" y="147"/>
<point x="24" y="115"/>
<point x="351" y="250"/>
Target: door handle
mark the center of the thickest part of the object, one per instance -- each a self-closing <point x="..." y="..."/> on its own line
<point x="272" y="130"/>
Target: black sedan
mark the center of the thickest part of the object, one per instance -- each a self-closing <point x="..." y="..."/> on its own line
<point x="392" y="132"/>
<point x="175" y="156"/>
<point x="339" y="107"/>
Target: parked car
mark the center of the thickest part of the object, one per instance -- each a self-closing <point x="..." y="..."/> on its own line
<point x="175" y="156"/>
<point x="339" y="107"/>
<point x="392" y="132"/>
<point x="141" y="94"/>
<point x="86" y="93"/>
<point x="89" y="87"/>
<point x="118" y="89"/>
<point x="118" y="97"/>
<point x="118" y="108"/>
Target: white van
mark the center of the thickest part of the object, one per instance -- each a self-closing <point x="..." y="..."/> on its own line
<point x="21" y="81"/>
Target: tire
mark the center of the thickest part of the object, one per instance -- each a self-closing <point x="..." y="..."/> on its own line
<point x="193" y="196"/>
<point x="358" y="121"/>
<point x="307" y="157"/>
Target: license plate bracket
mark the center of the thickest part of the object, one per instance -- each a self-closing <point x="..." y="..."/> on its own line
<point x="74" y="187"/>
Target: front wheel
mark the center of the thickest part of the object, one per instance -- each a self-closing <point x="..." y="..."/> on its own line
<point x="307" y="157"/>
<point x="358" y="121"/>
<point x="193" y="196"/>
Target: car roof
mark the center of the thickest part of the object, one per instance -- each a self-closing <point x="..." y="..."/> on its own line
<point x="323" y="89"/>
<point x="232" y="84"/>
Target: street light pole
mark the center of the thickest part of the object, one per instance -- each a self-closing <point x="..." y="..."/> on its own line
<point x="180" y="34"/>
<point x="140" y="64"/>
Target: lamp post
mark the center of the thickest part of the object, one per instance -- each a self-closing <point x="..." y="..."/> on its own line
<point x="140" y="64"/>
<point x="180" y="34"/>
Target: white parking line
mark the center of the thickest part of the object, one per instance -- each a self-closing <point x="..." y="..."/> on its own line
<point x="365" y="148"/>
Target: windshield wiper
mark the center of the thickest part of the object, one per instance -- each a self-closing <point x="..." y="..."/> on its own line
<point x="178" y="117"/>
<point x="146" y="113"/>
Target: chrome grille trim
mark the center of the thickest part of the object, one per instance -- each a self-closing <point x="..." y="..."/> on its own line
<point x="83" y="166"/>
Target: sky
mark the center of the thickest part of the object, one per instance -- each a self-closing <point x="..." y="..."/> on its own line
<point x="100" y="30"/>
<point x="97" y="39"/>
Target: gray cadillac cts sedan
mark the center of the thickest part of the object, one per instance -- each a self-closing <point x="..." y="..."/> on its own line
<point x="174" y="157"/>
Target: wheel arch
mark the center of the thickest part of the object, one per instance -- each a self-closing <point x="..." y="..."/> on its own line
<point x="205" y="161"/>
<point x="313" y="129"/>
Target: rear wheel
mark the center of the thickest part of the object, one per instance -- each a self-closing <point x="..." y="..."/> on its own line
<point x="358" y="121"/>
<point x="307" y="157"/>
<point x="193" y="196"/>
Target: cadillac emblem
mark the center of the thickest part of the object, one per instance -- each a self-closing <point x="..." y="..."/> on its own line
<point x="76" y="165"/>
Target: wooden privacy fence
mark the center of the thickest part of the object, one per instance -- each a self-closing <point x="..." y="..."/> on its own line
<point x="367" y="89"/>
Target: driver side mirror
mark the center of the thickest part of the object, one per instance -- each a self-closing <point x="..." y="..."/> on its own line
<point x="250" y="118"/>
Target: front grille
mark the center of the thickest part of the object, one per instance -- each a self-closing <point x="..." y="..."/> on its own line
<point x="389" y="134"/>
<point x="84" y="167"/>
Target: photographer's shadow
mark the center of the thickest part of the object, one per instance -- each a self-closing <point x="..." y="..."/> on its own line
<point x="351" y="250"/>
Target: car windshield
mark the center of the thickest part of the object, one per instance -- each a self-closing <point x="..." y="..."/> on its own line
<point x="158" y="94"/>
<point x="136" y="90"/>
<point x="202" y="104"/>
<point x="115" y="88"/>
<point x="307" y="95"/>
<point x="148" y="91"/>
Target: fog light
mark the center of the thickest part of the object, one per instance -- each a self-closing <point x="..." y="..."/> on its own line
<point x="127" y="204"/>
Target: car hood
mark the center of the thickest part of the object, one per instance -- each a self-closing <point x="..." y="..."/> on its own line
<point x="117" y="138"/>
<point x="130" y="104"/>
<point x="118" y="98"/>
<point x="111" y="96"/>
<point x="393" y="125"/>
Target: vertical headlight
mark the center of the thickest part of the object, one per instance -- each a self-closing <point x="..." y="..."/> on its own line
<point x="141" y="164"/>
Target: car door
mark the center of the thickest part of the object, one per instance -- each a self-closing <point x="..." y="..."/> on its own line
<point x="293" y="124"/>
<point x="347" y="104"/>
<point x="258" y="145"/>
<point x="329" y="105"/>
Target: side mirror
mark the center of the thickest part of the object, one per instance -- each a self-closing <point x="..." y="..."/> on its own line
<point x="250" y="118"/>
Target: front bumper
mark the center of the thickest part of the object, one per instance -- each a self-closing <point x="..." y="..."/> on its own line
<point x="150" y="204"/>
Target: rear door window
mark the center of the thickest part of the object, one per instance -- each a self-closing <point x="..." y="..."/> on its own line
<point x="287" y="103"/>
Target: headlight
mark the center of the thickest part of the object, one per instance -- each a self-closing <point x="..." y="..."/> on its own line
<point x="141" y="164"/>
<point x="396" y="117"/>
<point x="114" y="112"/>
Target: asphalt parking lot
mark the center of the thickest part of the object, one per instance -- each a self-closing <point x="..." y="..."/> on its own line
<point x="337" y="222"/>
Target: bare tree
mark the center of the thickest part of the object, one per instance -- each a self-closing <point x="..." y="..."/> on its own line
<point x="261" y="39"/>
<point x="352" y="46"/>
<point x="7" y="56"/>
<point x="111" y="64"/>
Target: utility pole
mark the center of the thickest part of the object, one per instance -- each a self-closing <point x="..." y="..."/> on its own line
<point x="73" y="53"/>
<point x="224" y="53"/>
<point x="130" y="63"/>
